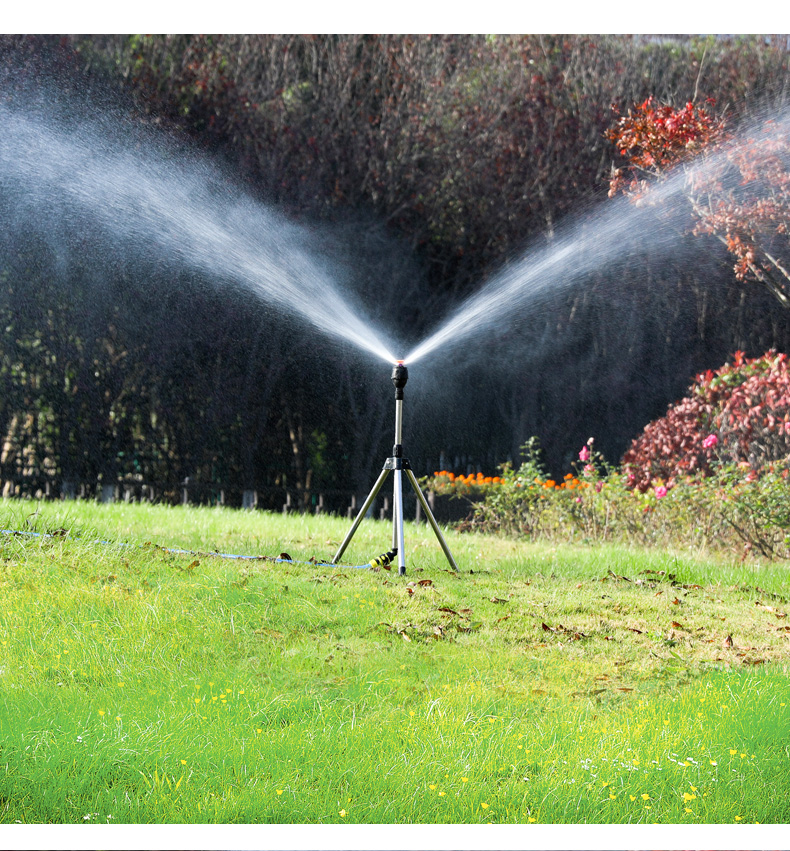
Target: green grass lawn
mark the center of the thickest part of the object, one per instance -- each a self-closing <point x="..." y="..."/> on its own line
<point x="540" y="685"/>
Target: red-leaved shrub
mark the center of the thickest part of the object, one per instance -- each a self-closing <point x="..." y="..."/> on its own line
<point x="739" y="414"/>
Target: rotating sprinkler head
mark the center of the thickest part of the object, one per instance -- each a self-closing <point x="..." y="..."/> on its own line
<point x="400" y="375"/>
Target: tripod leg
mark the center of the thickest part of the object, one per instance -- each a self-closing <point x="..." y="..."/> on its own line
<point x="431" y="519"/>
<point x="362" y="512"/>
<point x="397" y="523"/>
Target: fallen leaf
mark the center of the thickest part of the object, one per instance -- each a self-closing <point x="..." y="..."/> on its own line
<point x="728" y="641"/>
<point x="615" y="576"/>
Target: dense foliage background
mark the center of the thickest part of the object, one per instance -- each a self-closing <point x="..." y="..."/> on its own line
<point x="424" y="163"/>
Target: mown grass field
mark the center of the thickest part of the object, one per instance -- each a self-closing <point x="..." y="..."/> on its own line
<point x="540" y="685"/>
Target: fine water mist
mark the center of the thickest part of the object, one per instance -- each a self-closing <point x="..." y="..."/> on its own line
<point x="591" y="241"/>
<point x="150" y="198"/>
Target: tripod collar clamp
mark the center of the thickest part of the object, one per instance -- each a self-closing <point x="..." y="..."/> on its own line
<point x="396" y="462"/>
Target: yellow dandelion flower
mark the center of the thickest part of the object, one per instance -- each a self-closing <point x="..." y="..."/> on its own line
<point x="645" y="796"/>
<point x="738" y="818"/>
<point x="441" y="794"/>
<point x="464" y="780"/>
<point x="689" y="810"/>
<point x="693" y="788"/>
<point x="713" y="762"/>
<point x="101" y="712"/>
<point x="279" y="791"/>
<point x="484" y="805"/>
<point x="431" y="786"/>
<point x="531" y="820"/>
<point x="733" y="752"/>
<point x="688" y="797"/>
<point x="612" y="796"/>
<point x="183" y="762"/>
<point x="632" y="797"/>
<point x="342" y="813"/>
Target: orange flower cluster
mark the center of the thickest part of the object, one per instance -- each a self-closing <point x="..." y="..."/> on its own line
<point x="446" y="479"/>
<point x="570" y="483"/>
<point x="471" y="479"/>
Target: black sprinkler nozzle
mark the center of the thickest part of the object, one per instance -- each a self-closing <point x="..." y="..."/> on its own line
<point x="400" y="375"/>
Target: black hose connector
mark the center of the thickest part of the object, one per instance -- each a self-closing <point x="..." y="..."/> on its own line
<point x="384" y="559"/>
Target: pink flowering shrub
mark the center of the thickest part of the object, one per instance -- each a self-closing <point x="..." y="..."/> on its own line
<point x="739" y="414"/>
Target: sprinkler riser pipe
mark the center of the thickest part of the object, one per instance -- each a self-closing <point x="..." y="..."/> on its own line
<point x="397" y="450"/>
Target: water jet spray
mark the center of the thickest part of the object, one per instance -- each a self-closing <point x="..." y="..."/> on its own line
<point x="398" y="465"/>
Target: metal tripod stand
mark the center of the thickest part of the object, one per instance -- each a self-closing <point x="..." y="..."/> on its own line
<point x="398" y="465"/>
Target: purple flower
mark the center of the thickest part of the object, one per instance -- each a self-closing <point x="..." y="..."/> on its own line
<point x="710" y="441"/>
